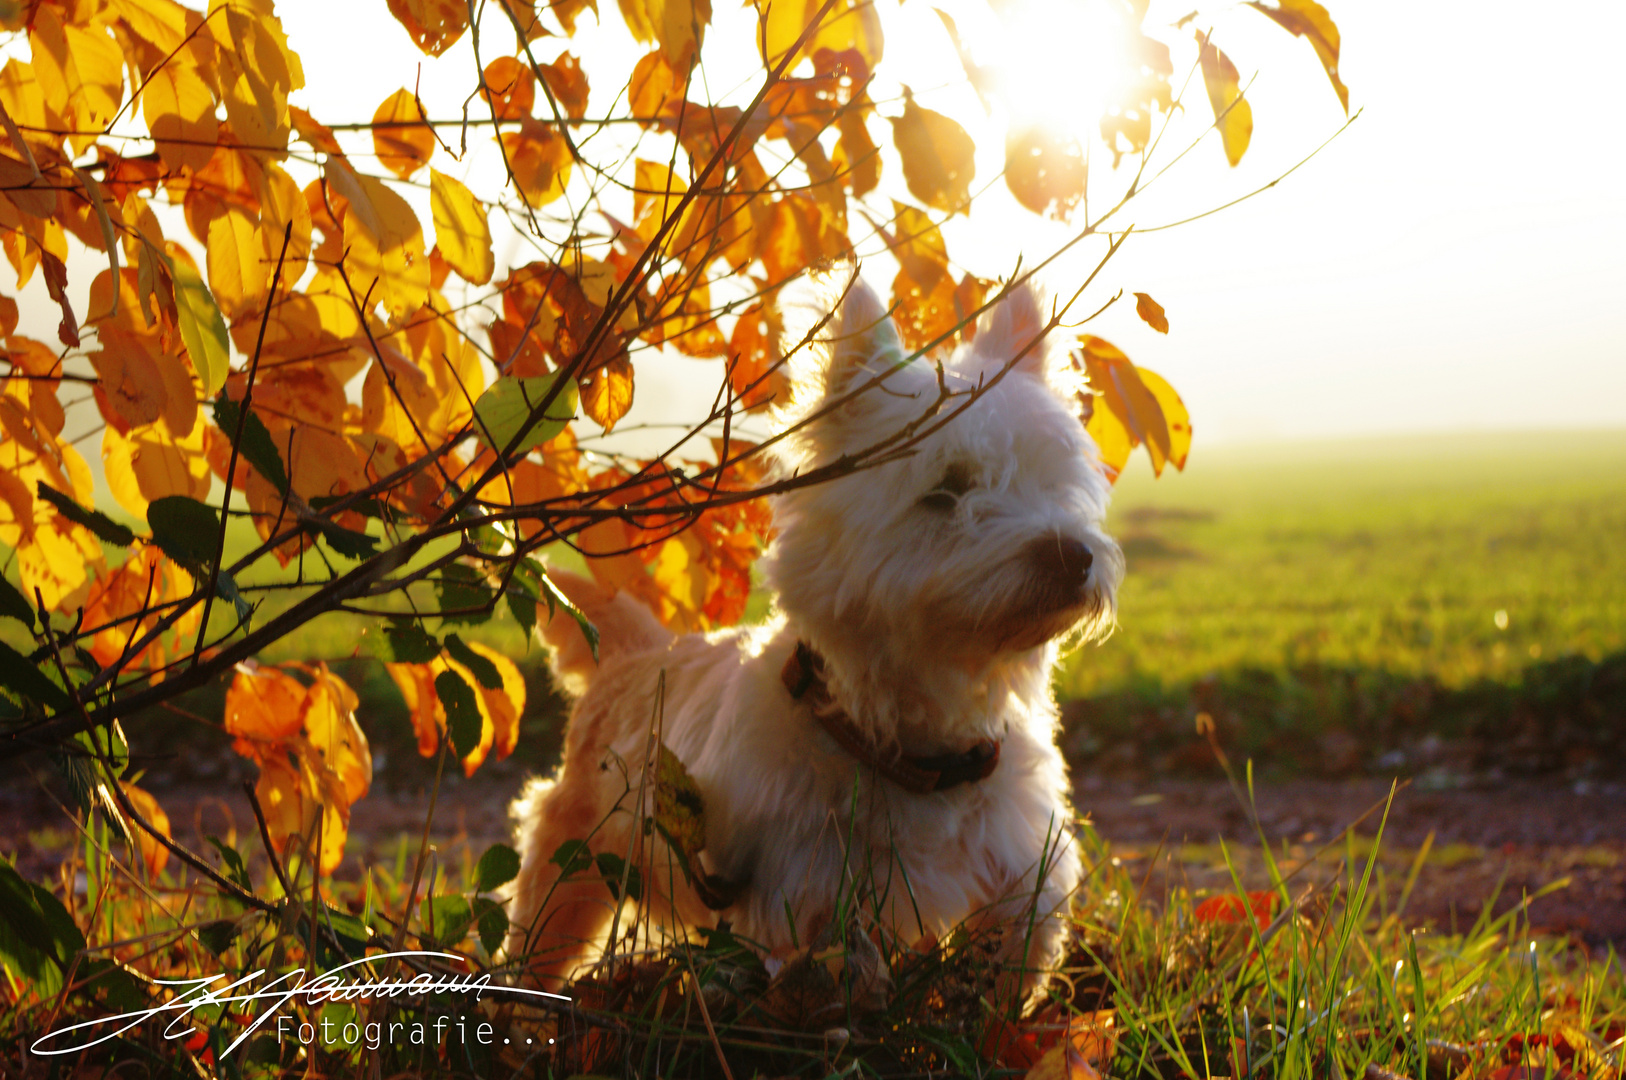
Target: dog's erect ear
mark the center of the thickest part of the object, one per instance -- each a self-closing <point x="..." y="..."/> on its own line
<point x="1014" y="323"/>
<point x="834" y="328"/>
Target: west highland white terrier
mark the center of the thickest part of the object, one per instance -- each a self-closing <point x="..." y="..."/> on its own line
<point x="890" y="733"/>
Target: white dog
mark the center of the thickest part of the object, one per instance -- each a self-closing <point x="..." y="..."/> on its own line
<point x="889" y="734"/>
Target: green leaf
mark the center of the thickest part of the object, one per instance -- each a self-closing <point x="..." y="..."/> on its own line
<point x="445" y="918"/>
<point x="102" y="526"/>
<point x="463" y="722"/>
<point x="226" y="589"/>
<point x="184" y="529"/>
<point x="110" y="742"/>
<point x="348" y="542"/>
<point x="556" y="598"/>
<point x="117" y="989"/>
<point x="463" y="589"/>
<point x="572" y="857"/>
<point x="256" y="445"/>
<point x="202" y="328"/>
<point x="506" y="407"/>
<point x="13" y="604"/>
<point x="497" y="867"/>
<point x="611" y="867"/>
<point x="480" y="667"/>
<point x="38" y="938"/>
<point x="233" y="862"/>
<point x="405" y="642"/>
<point x="217" y="936"/>
<point x="28" y="682"/>
<point x="492" y="922"/>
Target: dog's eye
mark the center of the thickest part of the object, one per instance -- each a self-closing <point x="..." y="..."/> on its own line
<point x="957" y="480"/>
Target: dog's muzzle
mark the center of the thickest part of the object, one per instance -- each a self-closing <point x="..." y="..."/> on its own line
<point x="1062" y="563"/>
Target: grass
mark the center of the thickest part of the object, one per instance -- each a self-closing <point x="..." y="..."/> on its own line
<point x="1372" y="588"/>
<point x="1316" y="975"/>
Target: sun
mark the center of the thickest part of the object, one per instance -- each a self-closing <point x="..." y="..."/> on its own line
<point x="1059" y="63"/>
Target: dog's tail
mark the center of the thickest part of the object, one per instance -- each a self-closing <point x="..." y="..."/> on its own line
<point x="624" y="625"/>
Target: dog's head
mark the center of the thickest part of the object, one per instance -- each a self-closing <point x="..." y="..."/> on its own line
<point x="980" y="533"/>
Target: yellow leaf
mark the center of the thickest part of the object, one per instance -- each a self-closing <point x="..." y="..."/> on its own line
<point x="435" y="25"/>
<point x="150" y="463"/>
<point x="385" y="242"/>
<point x="330" y="729"/>
<point x="283" y="204"/>
<point x="1309" y="20"/>
<point x="461" y="230"/>
<point x="257" y="74"/>
<point x="856" y="157"/>
<point x="679" y="26"/>
<point x="180" y="113"/>
<point x="1151" y="313"/>
<point x="238" y="273"/>
<point x="1175" y="416"/>
<point x="154" y="855"/>
<point x="52" y="554"/>
<point x="851" y="24"/>
<point x="540" y="160"/>
<point x="938" y="157"/>
<point x="81" y="69"/>
<point x="1232" y="113"/>
<point x="1117" y="383"/>
<point x="401" y="139"/>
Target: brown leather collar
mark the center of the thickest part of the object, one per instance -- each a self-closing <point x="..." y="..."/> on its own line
<point x="803" y="675"/>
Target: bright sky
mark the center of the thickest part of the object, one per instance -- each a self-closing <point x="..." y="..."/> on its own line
<point x="1455" y="260"/>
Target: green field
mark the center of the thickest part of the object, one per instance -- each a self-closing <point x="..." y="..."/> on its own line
<point x="1315" y="585"/>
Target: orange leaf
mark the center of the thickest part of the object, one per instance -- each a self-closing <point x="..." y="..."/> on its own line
<point x="1309" y="20"/>
<point x="540" y="161"/>
<point x="678" y="25"/>
<point x="154" y="855"/>
<point x="509" y="88"/>
<point x="1046" y="172"/>
<point x="568" y="83"/>
<point x="435" y="25"/>
<point x="938" y="157"/>
<point x="1232" y="113"/>
<point x="606" y="394"/>
<point x="401" y="139"/>
<point x="1151" y="313"/>
<point x="146" y="582"/>
<point x="263" y="706"/>
<point x="654" y="89"/>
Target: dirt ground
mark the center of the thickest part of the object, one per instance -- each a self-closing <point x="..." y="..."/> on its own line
<point x="1503" y="839"/>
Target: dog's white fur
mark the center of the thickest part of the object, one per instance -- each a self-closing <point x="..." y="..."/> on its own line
<point x="939" y="624"/>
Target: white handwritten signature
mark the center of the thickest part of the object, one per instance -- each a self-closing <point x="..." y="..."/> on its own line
<point x="329" y="986"/>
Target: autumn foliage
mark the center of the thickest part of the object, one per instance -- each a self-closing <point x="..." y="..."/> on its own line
<point x="304" y="328"/>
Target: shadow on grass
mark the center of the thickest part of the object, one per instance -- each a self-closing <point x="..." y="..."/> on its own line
<point x="1566" y="715"/>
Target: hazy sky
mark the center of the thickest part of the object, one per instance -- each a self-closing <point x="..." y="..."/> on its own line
<point x="1455" y="260"/>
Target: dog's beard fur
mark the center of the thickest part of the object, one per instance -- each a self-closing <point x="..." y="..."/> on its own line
<point x="935" y="586"/>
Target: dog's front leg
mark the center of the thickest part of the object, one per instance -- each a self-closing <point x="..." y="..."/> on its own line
<point x="556" y="920"/>
<point x="1030" y="919"/>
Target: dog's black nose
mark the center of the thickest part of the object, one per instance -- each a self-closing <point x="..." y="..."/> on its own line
<point x="1062" y="560"/>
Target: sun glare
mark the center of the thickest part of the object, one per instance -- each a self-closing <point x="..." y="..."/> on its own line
<point x="1059" y="63"/>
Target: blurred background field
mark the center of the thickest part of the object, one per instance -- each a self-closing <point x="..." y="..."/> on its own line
<point x="1423" y="601"/>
